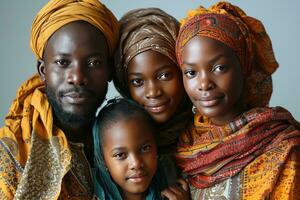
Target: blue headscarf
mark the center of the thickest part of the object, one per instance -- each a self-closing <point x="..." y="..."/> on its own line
<point x="104" y="186"/>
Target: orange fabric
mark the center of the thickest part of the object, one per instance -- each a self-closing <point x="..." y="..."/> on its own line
<point x="245" y="35"/>
<point x="262" y="145"/>
<point x="30" y="123"/>
<point x="57" y="13"/>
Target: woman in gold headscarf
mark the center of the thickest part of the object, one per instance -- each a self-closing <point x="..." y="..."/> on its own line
<point x="238" y="147"/>
<point x="147" y="72"/>
<point x="40" y="157"/>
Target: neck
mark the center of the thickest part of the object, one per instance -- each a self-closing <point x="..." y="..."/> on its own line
<point x="229" y="116"/>
<point x="79" y="133"/>
<point x="131" y="196"/>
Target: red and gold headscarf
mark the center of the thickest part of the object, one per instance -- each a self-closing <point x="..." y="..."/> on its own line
<point x="245" y="35"/>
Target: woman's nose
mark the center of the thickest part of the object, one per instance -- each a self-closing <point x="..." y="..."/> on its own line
<point x="152" y="89"/>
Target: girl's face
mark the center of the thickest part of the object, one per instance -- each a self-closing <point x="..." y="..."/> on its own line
<point x="129" y="151"/>
<point x="155" y="83"/>
<point x="213" y="79"/>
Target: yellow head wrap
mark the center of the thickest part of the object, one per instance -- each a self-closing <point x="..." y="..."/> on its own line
<point x="57" y="13"/>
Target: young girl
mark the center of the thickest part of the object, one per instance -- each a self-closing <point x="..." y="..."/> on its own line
<point x="147" y="72"/>
<point x="125" y="155"/>
<point x="238" y="147"/>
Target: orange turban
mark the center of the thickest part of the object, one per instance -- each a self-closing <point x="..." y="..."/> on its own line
<point x="245" y="35"/>
<point x="57" y="13"/>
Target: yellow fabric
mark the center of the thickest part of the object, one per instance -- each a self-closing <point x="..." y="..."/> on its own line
<point x="57" y="13"/>
<point x="30" y="121"/>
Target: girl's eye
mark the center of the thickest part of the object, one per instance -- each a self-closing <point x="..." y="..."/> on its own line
<point x="219" y="68"/>
<point x="164" y="76"/>
<point x="190" y="73"/>
<point x="137" y="82"/>
<point x="120" y="155"/>
<point x="62" y="62"/>
<point x="146" y="148"/>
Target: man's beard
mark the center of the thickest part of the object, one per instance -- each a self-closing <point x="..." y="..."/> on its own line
<point x="71" y="118"/>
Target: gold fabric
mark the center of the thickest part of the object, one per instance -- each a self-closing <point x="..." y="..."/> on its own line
<point x="35" y="155"/>
<point x="57" y="13"/>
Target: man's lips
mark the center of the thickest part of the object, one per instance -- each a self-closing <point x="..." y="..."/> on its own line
<point x="76" y="97"/>
<point x="157" y="107"/>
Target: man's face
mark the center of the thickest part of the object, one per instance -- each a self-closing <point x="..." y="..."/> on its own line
<point x="75" y="69"/>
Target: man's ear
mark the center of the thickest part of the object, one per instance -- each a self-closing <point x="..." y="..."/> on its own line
<point x="41" y="69"/>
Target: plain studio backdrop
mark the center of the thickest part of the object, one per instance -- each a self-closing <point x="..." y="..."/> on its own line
<point x="281" y="20"/>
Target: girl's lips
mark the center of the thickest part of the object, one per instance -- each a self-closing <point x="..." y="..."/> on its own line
<point x="137" y="178"/>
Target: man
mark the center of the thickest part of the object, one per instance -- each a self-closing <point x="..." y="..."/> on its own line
<point x="46" y="145"/>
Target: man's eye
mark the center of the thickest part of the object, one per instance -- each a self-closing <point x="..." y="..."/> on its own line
<point x="219" y="68"/>
<point x="146" y="148"/>
<point x="94" y="63"/>
<point x="136" y="82"/>
<point x="62" y="62"/>
<point x="190" y="73"/>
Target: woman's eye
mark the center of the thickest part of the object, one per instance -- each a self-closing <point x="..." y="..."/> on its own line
<point x="164" y="76"/>
<point x="190" y="73"/>
<point x="146" y="148"/>
<point x="219" y="68"/>
<point x="136" y="82"/>
<point x="62" y="62"/>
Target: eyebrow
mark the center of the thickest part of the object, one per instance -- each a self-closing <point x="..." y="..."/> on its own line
<point x="160" y="69"/>
<point x="212" y="60"/>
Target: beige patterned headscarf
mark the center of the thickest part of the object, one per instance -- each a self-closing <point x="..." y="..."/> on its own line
<point x="142" y="30"/>
<point x="151" y="29"/>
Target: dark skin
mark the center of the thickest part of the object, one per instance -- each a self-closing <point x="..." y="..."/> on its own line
<point x="75" y="69"/>
<point x="155" y="82"/>
<point x="213" y="79"/>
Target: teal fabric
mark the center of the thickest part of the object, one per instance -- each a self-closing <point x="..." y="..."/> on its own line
<point x="106" y="189"/>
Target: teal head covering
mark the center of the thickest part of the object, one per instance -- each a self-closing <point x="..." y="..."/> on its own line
<point x="104" y="186"/>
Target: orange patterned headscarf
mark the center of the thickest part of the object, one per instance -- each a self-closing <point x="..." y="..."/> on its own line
<point x="245" y="35"/>
<point x="57" y="13"/>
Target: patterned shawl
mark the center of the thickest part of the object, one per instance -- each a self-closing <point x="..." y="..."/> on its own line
<point x="32" y="148"/>
<point x="261" y="144"/>
<point x="154" y="30"/>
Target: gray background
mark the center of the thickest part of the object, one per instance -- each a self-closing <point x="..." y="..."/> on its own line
<point x="281" y="19"/>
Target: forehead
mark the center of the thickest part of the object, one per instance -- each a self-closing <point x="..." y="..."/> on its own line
<point x="149" y="61"/>
<point x="77" y="34"/>
<point x="127" y="133"/>
<point x="201" y="47"/>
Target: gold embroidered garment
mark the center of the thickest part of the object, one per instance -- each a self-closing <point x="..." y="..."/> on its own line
<point x="36" y="161"/>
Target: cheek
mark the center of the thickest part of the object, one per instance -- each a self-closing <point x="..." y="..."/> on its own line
<point x="137" y="93"/>
<point x="190" y="87"/>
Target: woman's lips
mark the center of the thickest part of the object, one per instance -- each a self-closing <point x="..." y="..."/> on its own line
<point x="157" y="108"/>
<point x="209" y="102"/>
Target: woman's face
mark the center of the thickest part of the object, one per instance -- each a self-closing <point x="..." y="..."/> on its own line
<point x="155" y="82"/>
<point x="213" y="79"/>
<point x="129" y="152"/>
